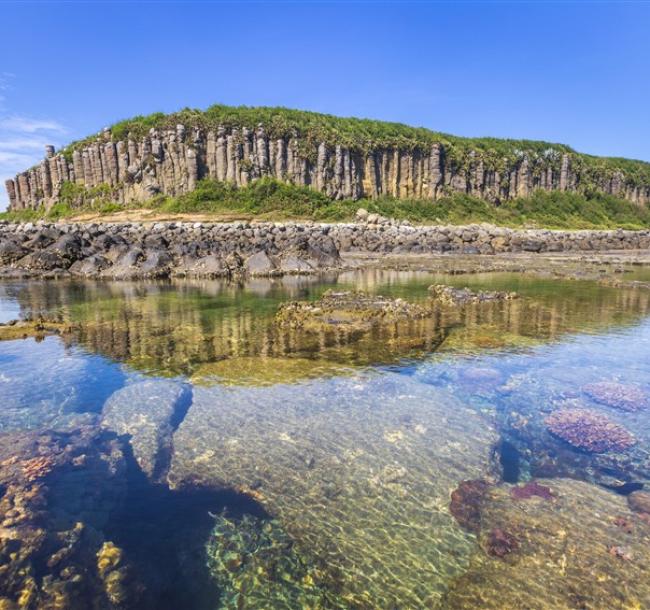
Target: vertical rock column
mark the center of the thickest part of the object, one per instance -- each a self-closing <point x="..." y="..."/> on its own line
<point x="11" y="192"/>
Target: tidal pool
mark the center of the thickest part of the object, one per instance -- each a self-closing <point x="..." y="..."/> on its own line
<point x="177" y="448"/>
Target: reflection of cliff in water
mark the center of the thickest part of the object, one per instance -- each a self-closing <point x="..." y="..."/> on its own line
<point x="179" y="327"/>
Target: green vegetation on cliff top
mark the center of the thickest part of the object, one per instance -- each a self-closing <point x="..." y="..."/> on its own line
<point x="269" y="199"/>
<point x="367" y="134"/>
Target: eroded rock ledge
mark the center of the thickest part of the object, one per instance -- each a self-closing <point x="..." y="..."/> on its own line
<point x="162" y="249"/>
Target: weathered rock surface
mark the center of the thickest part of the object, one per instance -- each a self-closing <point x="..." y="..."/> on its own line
<point x="448" y="295"/>
<point x="172" y="161"/>
<point x="148" y="412"/>
<point x="138" y="250"/>
<point x="347" y="310"/>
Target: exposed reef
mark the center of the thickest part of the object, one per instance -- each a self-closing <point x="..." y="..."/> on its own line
<point x="38" y="329"/>
<point x="449" y="295"/>
<point x="352" y="311"/>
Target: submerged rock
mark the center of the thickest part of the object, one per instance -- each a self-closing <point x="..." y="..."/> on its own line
<point x="147" y="412"/>
<point x="358" y="472"/>
<point x="589" y="430"/>
<point x="639" y="502"/>
<point x="556" y="555"/>
<point x="57" y="493"/>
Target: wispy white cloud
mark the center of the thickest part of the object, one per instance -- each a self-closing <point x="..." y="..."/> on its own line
<point x="23" y="124"/>
<point x="22" y="139"/>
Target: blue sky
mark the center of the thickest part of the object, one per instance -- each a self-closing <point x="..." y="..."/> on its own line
<point x="572" y="72"/>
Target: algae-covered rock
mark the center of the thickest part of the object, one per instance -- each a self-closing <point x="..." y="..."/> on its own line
<point x="148" y="412"/>
<point x="583" y="548"/>
<point x="255" y="565"/>
<point x="358" y="472"/>
<point x="58" y="491"/>
<point x="450" y="295"/>
<point x="37" y="329"/>
<point x="347" y="310"/>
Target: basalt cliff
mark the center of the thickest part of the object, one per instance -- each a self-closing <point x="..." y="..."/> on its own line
<point x="138" y="159"/>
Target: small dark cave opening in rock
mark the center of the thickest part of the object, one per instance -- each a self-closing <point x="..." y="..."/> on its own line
<point x="510" y="462"/>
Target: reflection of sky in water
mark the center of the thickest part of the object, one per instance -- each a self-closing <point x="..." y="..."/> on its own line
<point x="371" y="456"/>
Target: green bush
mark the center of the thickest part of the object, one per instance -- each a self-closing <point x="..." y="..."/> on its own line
<point x="271" y="199"/>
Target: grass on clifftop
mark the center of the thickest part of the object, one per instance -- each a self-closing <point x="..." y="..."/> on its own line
<point x="367" y="134"/>
<point x="268" y="199"/>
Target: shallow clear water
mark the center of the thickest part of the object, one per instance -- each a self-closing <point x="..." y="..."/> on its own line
<point x="179" y="449"/>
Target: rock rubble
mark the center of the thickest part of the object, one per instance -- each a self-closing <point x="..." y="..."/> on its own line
<point x="162" y="249"/>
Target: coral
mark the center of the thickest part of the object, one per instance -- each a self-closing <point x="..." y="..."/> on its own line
<point x="530" y="489"/>
<point x="466" y="501"/>
<point x="624" y="397"/>
<point x="588" y="430"/>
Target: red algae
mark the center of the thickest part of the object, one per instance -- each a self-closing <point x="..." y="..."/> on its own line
<point x="466" y="501"/>
<point x="501" y="543"/>
<point x="530" y="489"/>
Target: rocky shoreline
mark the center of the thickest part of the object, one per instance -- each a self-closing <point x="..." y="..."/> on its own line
<point x="236" y="249"/>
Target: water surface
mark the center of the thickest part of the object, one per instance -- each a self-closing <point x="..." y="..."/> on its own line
<point x="179" y="449"/>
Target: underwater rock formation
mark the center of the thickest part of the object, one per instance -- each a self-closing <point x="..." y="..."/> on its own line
<point x="57" y="493"/>
<point x="336" y="468"/>
<point x="589" y="430"/>
<point x="625" y="397"/>
<point x="255" y="565"/>
<point x="147" y="413"/>
<point x="449" y="295"/>
<point x="563" y="558"/>
<point x="639" y="502"/>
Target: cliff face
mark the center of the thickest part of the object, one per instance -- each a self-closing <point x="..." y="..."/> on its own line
<point x="171" y="161"/>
